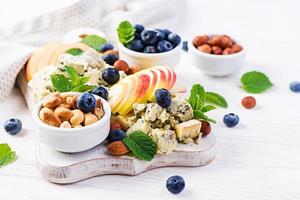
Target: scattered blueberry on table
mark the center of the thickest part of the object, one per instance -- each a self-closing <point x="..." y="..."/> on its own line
<point x="111" y="75"/>
<point x="86" y="102"/>
<point x="116" y="135"/>
<point x="13" y="126"/>
<point x="295" y="86"/>
<point x="163" y="98"/>
<point x="231" y="120"/>
<point x="185" y="46"/>
<point x="101" y="92"/>
<point x="175" y="184"/>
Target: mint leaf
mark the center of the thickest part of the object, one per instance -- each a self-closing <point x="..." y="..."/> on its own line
<point x="197" y="97"/>
<point x="255" y="82"/>
<point x="61" y="83"/>
<point x="141" y="145"/>
<point x="125" y="32"/>
<point x="217" y="99"/>
<point x="83" y="88"/>
<point x="207" y="108"/>
<point x="6" y="155"/>
<point x="74" y="51"/>
<point x="200" y="115"/>
<point x="94" y="41"/>
<point x="73" y="75"/>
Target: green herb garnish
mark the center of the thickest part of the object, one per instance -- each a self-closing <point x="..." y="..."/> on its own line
<point x="125" y="32"/>
<point x="141" y="145"/>
<point x="198" y="99"/>
<point x="255" y="82"/>
<point x="74" y="51"/>
<point x="74" y="82"/>
<point x="94" y="41"/>
<point x="7" y="156"/>
<point x="212" y="97"/>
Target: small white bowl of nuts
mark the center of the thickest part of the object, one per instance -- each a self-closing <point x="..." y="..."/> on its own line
<point x="217" y="55"/>
<point x="72" y="122"/>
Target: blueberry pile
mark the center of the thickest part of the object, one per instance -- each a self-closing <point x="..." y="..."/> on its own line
<point x="153" y="41"/>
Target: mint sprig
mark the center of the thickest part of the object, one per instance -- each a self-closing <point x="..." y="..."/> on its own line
<point x="7" y="155"/>
<point x="255" y="82"/>
<point x="94" y="41"/>
<point x="74" y="51"/>
<point x="141" y="145"/>
<point x="126" y="32"/>
<point x="198" y="99"/>
<point x="74" y="82"/>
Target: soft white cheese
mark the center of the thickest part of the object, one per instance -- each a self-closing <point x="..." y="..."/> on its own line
<point x="181" y="109"/>
<point x="165" y="140"/>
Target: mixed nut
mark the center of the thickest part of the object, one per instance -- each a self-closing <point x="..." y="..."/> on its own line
<point x="71" y="111"/>
<point x="217" y="44"/>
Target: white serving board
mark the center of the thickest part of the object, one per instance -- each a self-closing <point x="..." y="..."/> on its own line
<point x="64" y="168"/>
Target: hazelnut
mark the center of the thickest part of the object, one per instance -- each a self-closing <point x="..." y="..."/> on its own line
<point x="200" y="40"/>
<point x="64" y="114"/>
<point x="249" y="102"/>
<point x="216" y="50"/>
<point x="225" y="41"/>
<point x="115" y="125"/>
<point x="214" y="41"/>
<point x="205" y="48"/>
<point x="236" y="48"/>
<point x="121" y="65"/>
<point x="205" y="128"/>
<point x="49" y="117"/>
<point x="228" y="51"/>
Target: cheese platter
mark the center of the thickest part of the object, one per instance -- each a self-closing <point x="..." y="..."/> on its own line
<point x="97" y="114"/>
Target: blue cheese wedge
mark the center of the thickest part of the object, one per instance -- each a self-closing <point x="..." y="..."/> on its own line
<point x="140" y="125"/>
<point x="165" y="140"/>
<point x="152" y="112"/>
<point x="188" y="130"/>
<point x="181" y="109"/>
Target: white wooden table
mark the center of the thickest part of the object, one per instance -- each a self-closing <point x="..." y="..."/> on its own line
<point x="258" y="159"/>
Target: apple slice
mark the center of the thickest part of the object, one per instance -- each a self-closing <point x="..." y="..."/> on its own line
<point x="169" y="76"/>
<point x="161" y="82"/>
<point x="132" y="82"/>
<point x="116" y="93"/>
<point x="138" y="95"/>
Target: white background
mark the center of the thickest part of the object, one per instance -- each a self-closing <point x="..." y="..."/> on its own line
<point x="258" y="159"/>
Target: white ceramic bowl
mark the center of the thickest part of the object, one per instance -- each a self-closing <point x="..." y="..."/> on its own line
<point x="71" y="140"/>
<point x="145" y="60"/>
<point x="217" y="65"/>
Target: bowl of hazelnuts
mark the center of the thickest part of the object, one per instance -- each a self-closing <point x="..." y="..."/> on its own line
<point x="217" y="55"/>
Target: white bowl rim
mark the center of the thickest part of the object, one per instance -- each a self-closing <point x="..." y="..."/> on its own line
<point x="103" y="120"/>
<point x="148" y="55"/>
<point x="195" y="50"/>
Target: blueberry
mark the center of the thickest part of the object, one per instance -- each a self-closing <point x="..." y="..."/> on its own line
<point x="110" y="59"/>
<point x="185" y="46"/>
<point x="150" y="49"/>
<point x="163" y="98"/>
<point x="137" y="35"/>
<point x="106" y="47"/>
<point x="116" y="135"/>
<point x="161" y="35"/>
<point x="101" y="92"/>
<point x="139" y="28"/>
<point x="231" y="120"/>
<point x="295" y="86"/>
<point x="164" y="46"/>
<point x="149" y="37"/>
<point x="175" y="184"/>
<point x="174" y="39"/>
<point x="86" y="102"/>
<point x="167" y="32"/>
<point x="135" y="45"/>
<point x="111" y="75"/>
<point x="13" y="126"/>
